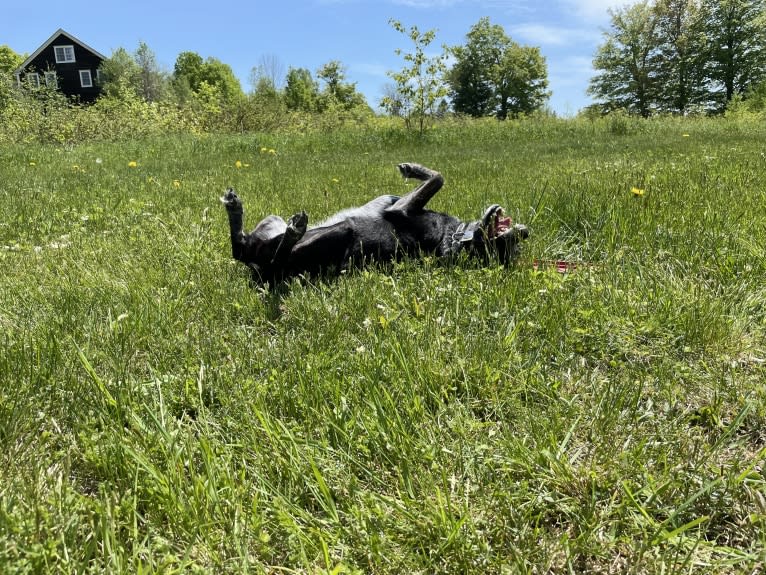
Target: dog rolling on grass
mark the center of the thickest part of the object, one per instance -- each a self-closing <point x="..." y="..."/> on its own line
<point x="382" y="230"/>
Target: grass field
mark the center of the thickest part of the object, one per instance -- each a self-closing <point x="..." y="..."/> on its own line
<point x="159" y="413"/>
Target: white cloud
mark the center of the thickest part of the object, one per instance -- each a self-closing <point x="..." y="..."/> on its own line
<point x="592" y="10"/>
<point x="545" y="35"/>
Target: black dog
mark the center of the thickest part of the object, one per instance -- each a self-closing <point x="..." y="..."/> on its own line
<point x="382" y="230"/>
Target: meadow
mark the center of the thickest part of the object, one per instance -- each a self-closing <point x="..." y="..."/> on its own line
<point x="159" y="413"/>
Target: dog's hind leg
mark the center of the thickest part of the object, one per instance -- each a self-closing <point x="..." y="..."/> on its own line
<point x="417" y="199"/>
<point x="234" y="209"/>
<point x="321" y="249"/>
<point x="296" y="228"/>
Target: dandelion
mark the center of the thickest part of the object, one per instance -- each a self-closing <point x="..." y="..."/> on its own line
<point x="637" y="191"/>
<point x="132" y="164"/>
<point x="335" y="180"/>
<point x="238" y="164"/>
<point x="176" y="184"/>
<point x="272" y="151"/>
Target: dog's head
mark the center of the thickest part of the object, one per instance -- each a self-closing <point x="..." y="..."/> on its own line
<point x="493" y="236"/>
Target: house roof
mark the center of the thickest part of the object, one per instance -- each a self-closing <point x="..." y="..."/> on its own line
<point x="49" y="41"/>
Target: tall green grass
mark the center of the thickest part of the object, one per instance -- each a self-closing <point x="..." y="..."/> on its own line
<point x="159" y="413"/>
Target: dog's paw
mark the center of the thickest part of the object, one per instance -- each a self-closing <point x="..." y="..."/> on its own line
<point x="297" y="225"/>
<point x="231" y="200"/>
<point x="416" y="171"/>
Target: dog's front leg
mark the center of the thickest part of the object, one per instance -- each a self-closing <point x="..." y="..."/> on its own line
<point x="417" y="199"/>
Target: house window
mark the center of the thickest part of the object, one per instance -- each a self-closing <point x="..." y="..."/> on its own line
<point x="51" y="80"/>
<point x="64" y="54"/>
<point x="34" y="79"/>
<point x="86" y="81"/>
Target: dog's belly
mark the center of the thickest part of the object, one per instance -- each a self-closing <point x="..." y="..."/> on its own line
<point x="371" y="210"/>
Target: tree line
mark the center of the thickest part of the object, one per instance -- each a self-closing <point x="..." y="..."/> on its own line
<point x="680" y="56"/>
<point x="491" y="75"/>
<point x="657" y="56"/>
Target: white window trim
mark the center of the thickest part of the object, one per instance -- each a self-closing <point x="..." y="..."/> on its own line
<point x="34" y="79"/>
<point x="67" y="54"/>
<point x="86" y="79"/>
<point x="51" y="80"/>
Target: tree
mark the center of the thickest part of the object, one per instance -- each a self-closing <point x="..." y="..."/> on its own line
<point x="301" y="90"/>
<point x="418" y="85"/>
<point x="337" y="91"/>
<point x="269" y="67"/>
<point x="192" y="70"/>
<point x="188" y="68"/>
<point x="120" y="75"/>
<point x="626" y="61"/>
<point x="392" y="101"/>
<point x="124" y="74"/>
<point x="521" y="81"/>
<point x="493" y="75"/>
<point x="736" y="51"/>
<point x="680" y="49"/>
<point x="470" y="79"/>
<point x="153" y="82"/>
<point x="9" y="61"/>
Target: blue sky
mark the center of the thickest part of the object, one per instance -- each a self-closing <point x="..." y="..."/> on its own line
<point x="310" y="33"/>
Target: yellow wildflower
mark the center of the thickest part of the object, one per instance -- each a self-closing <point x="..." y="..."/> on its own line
<point x="132" y="164"/>
<point x="272" y="151"/>
<point x="335" y="180"/>
<point x="32" y="164"/>
<point x="176" y="183"/>
<point x="637" y="191"/>
<point x="237" y="164"/>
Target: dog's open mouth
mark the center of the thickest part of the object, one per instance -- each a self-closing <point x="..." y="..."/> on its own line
<point x="500" y="224"/>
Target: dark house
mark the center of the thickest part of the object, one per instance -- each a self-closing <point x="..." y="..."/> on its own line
<point x="64" y="63"/>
